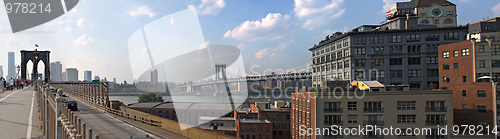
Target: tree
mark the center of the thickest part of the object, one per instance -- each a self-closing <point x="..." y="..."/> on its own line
<point x="150" y="97"/>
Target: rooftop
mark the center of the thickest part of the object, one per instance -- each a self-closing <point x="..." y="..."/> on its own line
<point x="429" y="3"/>
<point x="253" y="121"/>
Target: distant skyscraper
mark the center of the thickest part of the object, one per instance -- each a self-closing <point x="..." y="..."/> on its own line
<point x="64" y="76"/>
<point x="72" y="74"/>
<point x="12" y="66"/>
<point x="154" y="76"/>
<point x="1" y="71"/>
<point x="87" y="76"/>
<point x="114" y="80"/>
<point x="56" y="71"/>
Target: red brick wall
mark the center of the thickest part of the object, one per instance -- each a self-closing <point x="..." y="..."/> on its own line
<point x="471" y="115"/>
<point x="299" y="113"/>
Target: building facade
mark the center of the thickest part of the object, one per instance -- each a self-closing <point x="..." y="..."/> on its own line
<point x="56" y="71"/>
<point x="471" y="69"/>
<point x="254" y="129"/>
<point x="71" y="74"/>
<point x="399" y="109"/>
<point x="87" y="76"/>
<point x="11" y="71"/>
<point x="391" y="57"/>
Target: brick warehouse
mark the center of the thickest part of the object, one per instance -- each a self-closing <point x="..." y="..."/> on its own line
<point x="471" y="70"/>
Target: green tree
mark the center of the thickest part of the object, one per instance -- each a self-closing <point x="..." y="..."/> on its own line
<point x="150" y="97"/>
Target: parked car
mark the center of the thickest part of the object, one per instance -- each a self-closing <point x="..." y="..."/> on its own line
<point x="53" y="91"/>
<point x="63" y="94"/>
<point x="72" y="104"/>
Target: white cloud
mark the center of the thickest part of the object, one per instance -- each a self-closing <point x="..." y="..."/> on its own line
<point x="143" y="10"/>
<point x="389" y="3"/>
<point x="240" y="46"/>
<point x="317" y="12"/>
<point x="83" y="40"/>
<point x="496" y="10"/>
<point x="261" y="53"/>
<point x="80" y="22"/>
<point x="274" y="52"/>
<point x="272" y="27"/>
<point x="58" y="25"/>
<point x="210" y="7"/>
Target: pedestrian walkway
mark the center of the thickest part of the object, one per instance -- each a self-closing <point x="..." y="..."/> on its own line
<point x="19" y="114"/>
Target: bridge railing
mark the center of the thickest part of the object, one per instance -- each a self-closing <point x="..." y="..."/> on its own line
<point x="57" y="120"/>
<point x="98" y="97"/>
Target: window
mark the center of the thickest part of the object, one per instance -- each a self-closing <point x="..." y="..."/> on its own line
<point x="352" y="119"/>
<point x="432" y="73"/>
<point x="414" y="61"/>
<point x="332" y="107"/>
<point x="432" y="60"/>
<point x="446" y="66"/>
<point x="359" y="51"/>
<point x="480" y="48"/>
<point x="414" y="49"/>
<point x="377" y="74"/>
<point x="394" y="38"/>
<point x="359" y="40"/>
<point x="415" y="73"/>
<point x="396" y="61"/>
<point x="481" y="93"/>
<point x="423" y="14"/>
<point x="436" y="21"/>
<point x="451" y="36"/>
<point x="455" y="53"/>
<point x="464" y="79"/>
<point x="346" y="75"/>
<point x="424" y="22"/>
<point x="464" y="107"/>
<point x="407" y="118"/>
<point x="346" y="42"/>
<point x="378" y="50"/>
<point x="455" y="65"/>
<point x="359" y="62"/>
<point x="346" y="64"/>
<point x="482" y="63"/>
<point x="465" y="52"/>
<point x="446" y="79"/>
<point x="377" y="62"/>
<point x="495" y="50"/>
<point x="446" y="54"/>
<point x="432" y="36"/>
<point x="407" y="105"/>
<point x="360" y="75"/>
<point x="340" y="65"/>
<point x="481" y="109"/>
<point x="396" y="49"/>
<point x="449" y="13"/>
<point x="396" y="73"/>
<point x="432" y="48"/>
<point x="376" y="39"/>
<point x="448" y="21"/>
<point x="352" y="106"/>
<point x="413" y="38"/>
<point x="333" y="119"/>
<point x="495" y="63"/>
<point x="464" y="93"/>
<point x="373" y="106"/>
<point x="346" y="52"/>
<point x="435" y="106"/>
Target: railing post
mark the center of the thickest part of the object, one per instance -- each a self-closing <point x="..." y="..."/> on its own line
<point x="84" y="126"/>
<point x="90" y="133"/>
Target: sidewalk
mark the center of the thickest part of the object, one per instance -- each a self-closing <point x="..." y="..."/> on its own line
<point x="15" y="114"/>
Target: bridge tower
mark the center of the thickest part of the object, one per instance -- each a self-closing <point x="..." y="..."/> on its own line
<point x="220" y="72"/>
<point x="35" y="57"/>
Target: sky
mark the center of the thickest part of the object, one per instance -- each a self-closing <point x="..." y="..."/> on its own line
<point x="271" y="35"/>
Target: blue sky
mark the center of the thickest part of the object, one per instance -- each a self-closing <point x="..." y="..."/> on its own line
<point x="272" y="35"/>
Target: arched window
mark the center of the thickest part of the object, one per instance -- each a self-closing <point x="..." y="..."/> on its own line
<point x="448" y="21"/>
<point x="424" y="22"/>
<point x="436" y="21"/>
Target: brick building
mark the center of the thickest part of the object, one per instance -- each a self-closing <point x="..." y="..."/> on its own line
<point x="254" y="129"/>
<point x="397" y="109"/>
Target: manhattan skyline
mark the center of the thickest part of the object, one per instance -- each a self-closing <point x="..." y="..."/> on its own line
<point x="270" y="35"/>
